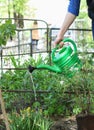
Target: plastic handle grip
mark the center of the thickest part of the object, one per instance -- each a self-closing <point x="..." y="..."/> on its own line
<point x="65" y="40"/>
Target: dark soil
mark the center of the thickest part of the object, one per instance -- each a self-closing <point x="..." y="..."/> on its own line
<point x="65" y="124"/>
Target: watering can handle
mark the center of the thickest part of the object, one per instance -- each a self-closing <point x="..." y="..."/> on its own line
<point x="65" y="40"/>
<point x="72" y="43"/>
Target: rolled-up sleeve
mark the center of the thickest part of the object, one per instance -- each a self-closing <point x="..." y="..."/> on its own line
<point x="74" y="6"/>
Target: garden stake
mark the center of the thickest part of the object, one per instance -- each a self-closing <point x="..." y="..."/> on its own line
<point x="3" y="111"/>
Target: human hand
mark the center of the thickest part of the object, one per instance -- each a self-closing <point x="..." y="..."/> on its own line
<point x="59" y="41"/>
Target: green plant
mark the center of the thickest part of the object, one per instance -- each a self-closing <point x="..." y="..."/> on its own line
<point x="7" y="30"/>
<point x="56" y="101"/>
<point x="29" y="119"/>
<point x="82" y="87"/>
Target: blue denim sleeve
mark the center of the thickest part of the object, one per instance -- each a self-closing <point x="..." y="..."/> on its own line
<point x="74" y="6"/>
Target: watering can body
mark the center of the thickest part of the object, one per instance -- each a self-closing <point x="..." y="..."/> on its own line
<point x="65" y="60"/>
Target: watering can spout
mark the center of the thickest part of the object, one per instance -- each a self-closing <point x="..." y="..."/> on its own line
<point x="46" y="67"/>
<point x="31" y="68"/>
<point x="53" y="68"/>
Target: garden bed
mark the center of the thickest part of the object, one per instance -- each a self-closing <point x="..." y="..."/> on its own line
<point x="60" y="123"/>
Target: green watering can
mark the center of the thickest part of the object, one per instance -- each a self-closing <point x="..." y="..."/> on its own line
<point x="65" y="60"/>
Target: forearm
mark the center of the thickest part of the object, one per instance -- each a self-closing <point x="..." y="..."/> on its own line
<point x="69" y="18"/>
<point x="73" y="11"/>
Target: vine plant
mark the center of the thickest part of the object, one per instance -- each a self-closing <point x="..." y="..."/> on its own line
<point x="7" y="30"/>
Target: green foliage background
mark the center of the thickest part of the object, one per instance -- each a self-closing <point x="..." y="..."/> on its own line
<point x="56" y="101"/>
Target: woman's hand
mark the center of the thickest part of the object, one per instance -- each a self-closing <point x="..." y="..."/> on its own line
<point x="59" y="41"/>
